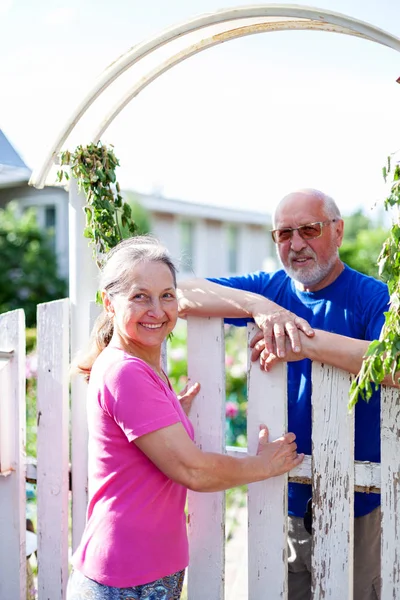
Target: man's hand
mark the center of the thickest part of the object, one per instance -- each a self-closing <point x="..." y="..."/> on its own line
<point x="269" y="359"/>
<point x="276" y="329"/>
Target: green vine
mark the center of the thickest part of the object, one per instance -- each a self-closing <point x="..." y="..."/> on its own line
<point x="383" y="356"/>
<point x="108" y="217"/>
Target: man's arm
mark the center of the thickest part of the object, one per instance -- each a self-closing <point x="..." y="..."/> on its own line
<point x="331" y="348"/>
<point x="204" y="298"/>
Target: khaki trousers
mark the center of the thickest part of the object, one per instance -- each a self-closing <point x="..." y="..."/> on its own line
<point x="367" y="558"/>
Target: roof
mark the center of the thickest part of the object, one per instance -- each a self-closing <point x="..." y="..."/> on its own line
<point x="205" y="211"/>
<point x="13" y="170"/>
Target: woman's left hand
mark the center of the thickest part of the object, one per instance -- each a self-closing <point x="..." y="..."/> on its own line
<point x="187" y="395"/>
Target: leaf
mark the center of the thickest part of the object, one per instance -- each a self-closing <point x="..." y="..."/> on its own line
<point x="127" y="210"/>
<point x="372" y="348"/>
<point x="111" y="175"/>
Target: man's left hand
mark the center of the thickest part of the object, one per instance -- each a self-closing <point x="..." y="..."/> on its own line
<point x="278" y="328"/>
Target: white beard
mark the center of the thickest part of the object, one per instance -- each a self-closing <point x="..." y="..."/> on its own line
<point x="311" y="275"/>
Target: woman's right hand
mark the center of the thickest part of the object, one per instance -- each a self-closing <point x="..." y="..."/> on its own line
<point x="279" y="456"/>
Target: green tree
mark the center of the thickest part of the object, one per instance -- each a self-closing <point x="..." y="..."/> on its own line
<point x="362" y="243"/>
<point x="140" y="215"/>
<point x="28" y="273"/>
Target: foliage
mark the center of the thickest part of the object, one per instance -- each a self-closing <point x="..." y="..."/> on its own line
<point x="141" y="216"/>
<point x="108" y="216"/>
<point x="29" y="266"/>
<point x="31" y="418"/>
<point x="31" y="387"/>
<point x="236" y="385"/>
<point x="236" y="390"/>
<point x="362" y="243"/>
<point x="355" y="223"/>
<point x="30" y="339"/>
<point x="383" y="355"/>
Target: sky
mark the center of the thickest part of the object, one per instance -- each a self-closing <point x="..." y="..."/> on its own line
<point x="239" y="125"/>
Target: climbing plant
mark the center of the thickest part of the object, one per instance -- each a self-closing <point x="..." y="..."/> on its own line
<point x="383" y="355"/>
<point x="108" y="216"/>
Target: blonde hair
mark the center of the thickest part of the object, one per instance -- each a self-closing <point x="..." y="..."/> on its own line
<point x="116" y="279"/>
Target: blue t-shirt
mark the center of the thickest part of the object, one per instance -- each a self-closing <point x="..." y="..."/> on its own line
<point x="353" y="305"/>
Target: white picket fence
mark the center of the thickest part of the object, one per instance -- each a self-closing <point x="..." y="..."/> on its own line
<point x="332" y="470"/>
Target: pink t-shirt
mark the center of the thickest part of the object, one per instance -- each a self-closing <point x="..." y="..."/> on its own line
<point x="136" y="526"/>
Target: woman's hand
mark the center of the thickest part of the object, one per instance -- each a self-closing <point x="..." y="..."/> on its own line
<point x="187" y="396"/>
<point x="279" y="456"/>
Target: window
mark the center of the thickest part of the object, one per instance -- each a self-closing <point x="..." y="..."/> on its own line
<point x="233" y="242"/>
<point x="187" y="245"/>
<point x="50" y="224"/>
<point x="50" y="217"/>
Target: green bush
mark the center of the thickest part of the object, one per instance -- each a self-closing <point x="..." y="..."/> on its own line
<point x="28" y="274"/>
<point x="362" y="243"/>
<point x="140" y="215"/>
<point x="30" y="337"/>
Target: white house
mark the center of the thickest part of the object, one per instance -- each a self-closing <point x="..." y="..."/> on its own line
<point x="206" y="240"/>
<point x="51" y="203"/>
<point x="210" y="241"/>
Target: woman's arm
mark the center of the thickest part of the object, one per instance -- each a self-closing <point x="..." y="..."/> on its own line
<point x="174" y="453"/>
<point x="205" y="298"/>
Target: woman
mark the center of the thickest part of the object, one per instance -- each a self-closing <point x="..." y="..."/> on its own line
<point x="142" y="457"/>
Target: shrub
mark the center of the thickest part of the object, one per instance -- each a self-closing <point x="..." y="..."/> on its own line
<point x="29" y="268"/>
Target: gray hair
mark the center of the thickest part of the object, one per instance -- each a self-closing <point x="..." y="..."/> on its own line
<point x="116" y="272"/>
<point x="116" y="278"/>
<point x="330" y="207"/>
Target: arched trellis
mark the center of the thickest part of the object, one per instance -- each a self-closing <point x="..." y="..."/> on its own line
<point x="213" y="29"/>
<point x="248" y="20"/>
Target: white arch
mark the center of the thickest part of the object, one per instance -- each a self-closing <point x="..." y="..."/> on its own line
<point x="294" y="17"/>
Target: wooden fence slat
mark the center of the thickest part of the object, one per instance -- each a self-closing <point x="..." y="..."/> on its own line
<point x="206" y="517"/>
<point x="333" y="484"/>
<point x="267" y="500"/>
<point x="53" y="448"/>
<point x="390" y="477"/>
<point x="12" y="486"/>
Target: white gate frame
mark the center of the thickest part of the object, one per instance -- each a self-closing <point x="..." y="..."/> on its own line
<point x="12" y="458"/>
<point x="224" y="25"/>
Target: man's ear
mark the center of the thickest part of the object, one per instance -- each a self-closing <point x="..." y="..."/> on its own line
<point x="339" y="232"/>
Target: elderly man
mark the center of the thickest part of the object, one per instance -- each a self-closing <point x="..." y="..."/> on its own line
<point x="315" y="285"/>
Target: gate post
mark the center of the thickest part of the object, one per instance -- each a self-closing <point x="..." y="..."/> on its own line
<point x="12" y="476"/>
<point x="83" y="277"/>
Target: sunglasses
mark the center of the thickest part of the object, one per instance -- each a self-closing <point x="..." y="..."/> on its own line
<point x="307" y="232"/>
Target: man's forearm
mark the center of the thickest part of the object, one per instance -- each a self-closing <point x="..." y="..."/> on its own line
<point x="205" y="298"/>
<point x="337" y="350"/>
